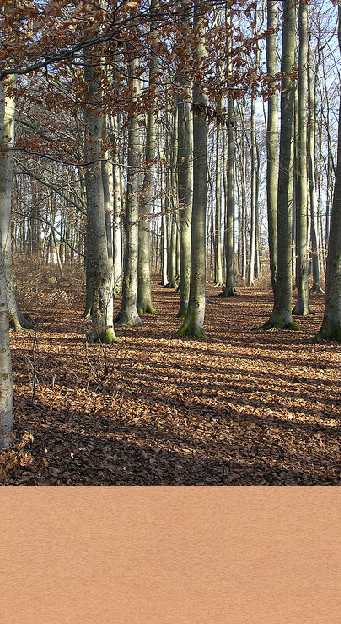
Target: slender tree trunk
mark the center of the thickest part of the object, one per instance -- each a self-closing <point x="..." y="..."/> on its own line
<point x="229" y="288"/>
<point x="164" y="238"/>
<point x="315" y="247"/>
<point x="185" y="190"/>
<point x="302" y="304"/>
<point x="7" y="114"/>
<point x="283" y="303"/>
<point x="117" y="219"/>
<point x="272" y="147"/>
<point x="252" y="255"/>
<point x="99" y="265"/>
<point x="129" y="314"/>
<point x="194" y="322"/>
<point x="218" y="247"/>
<point x="144" y="286"/>
<point x="331" y="325"/>
<point x="6" y="381"/>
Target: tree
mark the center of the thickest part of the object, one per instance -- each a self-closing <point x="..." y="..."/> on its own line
<point x="229" y="288"/>
<point x="144" y="291"/>
<point x="331" y="325"/>
<point x="272" y="147"/>
<point x="185" y="190"/>
<point x="128" y="314"/>
<point x="282" y="310"/>
<point x="302" y="304"/>
<point x="99" y="265"/>
<point x="193" y="324"/>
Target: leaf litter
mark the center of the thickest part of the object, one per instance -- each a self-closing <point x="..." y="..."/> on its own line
<point x="244" y="407"/>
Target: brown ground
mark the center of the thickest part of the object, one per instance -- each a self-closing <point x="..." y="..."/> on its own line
<point x="245" y="407"/>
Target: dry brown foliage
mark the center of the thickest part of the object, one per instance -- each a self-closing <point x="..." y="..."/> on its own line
<point x="245" y="407"/>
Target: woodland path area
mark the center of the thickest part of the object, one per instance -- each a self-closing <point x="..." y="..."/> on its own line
<point x="244" y="407"/>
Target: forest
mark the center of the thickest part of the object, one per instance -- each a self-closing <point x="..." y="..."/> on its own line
<point x="170" y="242"/>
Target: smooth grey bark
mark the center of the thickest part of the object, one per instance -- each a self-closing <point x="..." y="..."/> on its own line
<point x="108" y="191"/>
<point x="218" y="243"/>
<point x="272" y="143"/>
<point x="99" y="267"/>
<point x="283" y="300"/>
<point x="144" y="285"/>
<point x="242" y="200"/>
<point x="302" y="304"/>
<point x="185" y="191"/>
<point x="172" y="201"/>
<point x="230" y="279"/>
<point x="331" y="325"/>
<point x="258" y="238"/>
<point x="164" y="238"/>
<point x="252" y="254"/>
<point x="128" y="314"/>
<point x="117" y="218"/>
<point x="314" y="234"/>
<point x="7" y="118"/>
<point x="193" y="324"/>
<point x="6" y="380"/>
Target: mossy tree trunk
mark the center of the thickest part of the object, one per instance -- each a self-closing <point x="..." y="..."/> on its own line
<point x="185" y="190"/>
<point x="229" y="288"/>
<point x="99" y="266"/>
<point x="193" y="324"/>
<point x="314" y="233"/>
<point x="144" y="286"/>
<point x="218" y="244"/>
<point x="252" y="254"/>
<point x="6" y="381"/>
<point x="283" y="298"/>
<point x="7" y="117"/>
<point x="331" y="325"/>
<point x="302" y="304"/>
<point x="272" y="147"/>
<point x="117" y="208"/>
<point x="128" y="314"/>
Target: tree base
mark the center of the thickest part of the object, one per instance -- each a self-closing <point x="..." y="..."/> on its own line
<point x="228" y="292"/>
<point x="278" y="322"/>
<point x="301" y="310"/>
<point x="19" y="322"/>
<point x="329" y="331"/>
<point x="190" y="330"/>
<point x="147" y="309"/>
<point x="107" y="337"/>
<point x="182" y="312"/>
<point x="130" y="320"/>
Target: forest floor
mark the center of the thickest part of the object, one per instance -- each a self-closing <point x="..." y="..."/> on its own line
<point x="244" y="407"/>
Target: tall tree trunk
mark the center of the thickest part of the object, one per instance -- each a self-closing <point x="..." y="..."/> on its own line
<point x="218" y="247"/>
<point x="229" y="288"/>
<point x="331" y="325"/>
<point x="314" y="234"/>
<point x="128" y="314"/>
<point x="283" y="300"/>
<point x="302" y="304"/>
<point x="144" y="286"/>
<point x="6" y="381"/>
<point x="7" y="113"/>
<point x="99" y="265"/>
<point x="272" y="147"/>
<point x="193" y="324"/>
<point x="252" y="255"/>
<point x="117" y="219"/>
<point x="164" y="238"/>
<point x="185" y="190"/>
